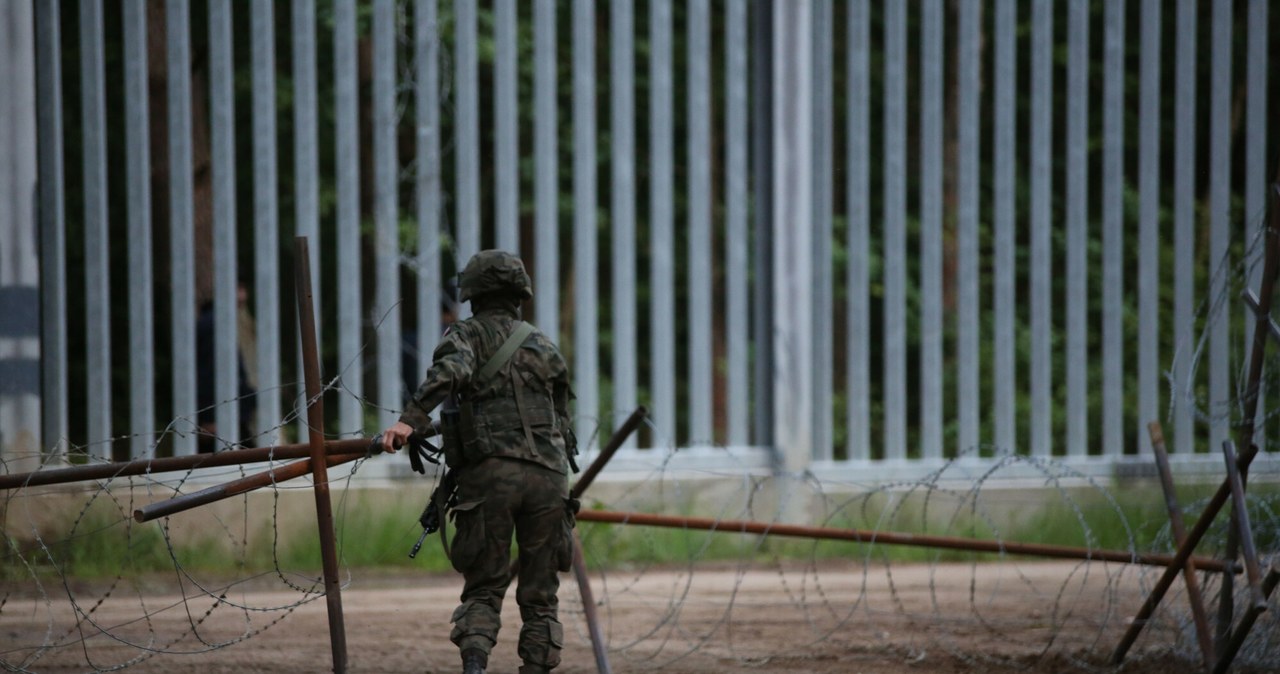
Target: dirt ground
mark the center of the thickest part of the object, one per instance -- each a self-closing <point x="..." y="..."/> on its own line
<point x="1032" y="616"/>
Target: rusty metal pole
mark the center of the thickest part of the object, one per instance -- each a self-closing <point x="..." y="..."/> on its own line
<point x="245" y="484"/>
<point x="233" y="457"/>
<point x="1246" y="623"/>
<point x="892" y="538"/>
<point x="589" y="607"/>
<point x="1262" y="329"/>
<point x="1198" y="615"/>
<point x="615" y="441"/>
<point x="579" y="563"/>
<point x="1197" y="532"/>
<point x="337" y="451"/>
<point x="1245" y="531"/>
<point x="319" y="466"/>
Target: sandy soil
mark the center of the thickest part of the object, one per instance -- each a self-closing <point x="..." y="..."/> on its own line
<point x="1033" y="616"/>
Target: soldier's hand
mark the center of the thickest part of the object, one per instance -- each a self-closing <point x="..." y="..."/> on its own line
<point x="396" y="436"/>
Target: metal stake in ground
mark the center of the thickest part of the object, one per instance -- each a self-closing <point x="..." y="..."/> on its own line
<point x="1261" y="331"/>
<point x="1179" y="537"/>
<point x="319" y="466"/>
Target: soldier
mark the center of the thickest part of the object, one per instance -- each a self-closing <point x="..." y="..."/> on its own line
<point x="510" y="443"/>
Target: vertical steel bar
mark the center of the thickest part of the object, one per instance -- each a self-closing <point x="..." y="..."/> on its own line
<point x="222" y="144"/>
<point x="623" y="199"/>
<point x="96" y="236"/>
<point x="968" y="167"/>
<point x="20" y="393"/>
<point x="346" y="101"/>
<point x="1258" y="345"/>
<point x="319" y="462"/>
<point x="1219" y="238"/>
<point x="858" y="198"/>
<point x="305" y="169"/>
<point x="1256" y="125"/>
<point x="823" y="181"/>
<point x="1198" y="615"/>
<point x="546" y="285"/>
<point x="266" y="237"/>
<point x="931" y="160"/>
<point x="53" y="236"/>
<point x="305" y="164"/>
<point x="467" y="127"/>
<point x="736" y="204"/>
<point x="661" y="217"/>
<point x="142" y="407"/>
<point x="1113" y="297"/>
<point x="1184" y="150"/>
<point x="427" y="181"/>
<point x="761" y="36"/>
<point x="1041" y="224"/>
<point x="385" y="211"/>
<point x="699" y="262"/>
<point x="507" y="134"/>
<point x="1149" y="218"/>
<point x="894" y="140"/>
<point x="1220" y="104"/>
<point x="1004" y="160"/>
<point x="1077" y="214"/>
<point x="182" y="302"/>
<point x="1256" y="122"/>
<point x="792" y="239"/>
<point x="584" y="222"/>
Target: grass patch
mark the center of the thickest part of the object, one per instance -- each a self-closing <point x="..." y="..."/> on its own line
<point x="102" y="543"/>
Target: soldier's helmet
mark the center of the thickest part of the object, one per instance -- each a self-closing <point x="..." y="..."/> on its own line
<point x="494" y="271"/>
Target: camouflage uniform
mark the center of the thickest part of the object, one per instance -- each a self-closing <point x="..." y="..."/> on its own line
<point x="513" y="477"/>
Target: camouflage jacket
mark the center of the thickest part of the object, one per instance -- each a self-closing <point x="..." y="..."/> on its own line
<point x="463" y="351"/>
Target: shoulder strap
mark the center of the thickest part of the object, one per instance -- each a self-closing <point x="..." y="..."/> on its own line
<point x="504" y="353"/>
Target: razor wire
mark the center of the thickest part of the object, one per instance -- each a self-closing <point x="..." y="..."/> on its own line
<point x="659" y="613"/>
<point x="817" y="599"/>
<point x="756" y="600"/>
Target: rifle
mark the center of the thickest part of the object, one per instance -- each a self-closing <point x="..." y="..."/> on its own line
<point x="443" y="497"/>
<point x="420" y="453"/>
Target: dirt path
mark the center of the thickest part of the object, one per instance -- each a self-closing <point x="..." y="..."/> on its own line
<point x="1030" y="616"/>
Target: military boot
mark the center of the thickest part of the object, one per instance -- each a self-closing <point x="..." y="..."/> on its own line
<point x="474" y="661"/>
<point x="528" y="668"/>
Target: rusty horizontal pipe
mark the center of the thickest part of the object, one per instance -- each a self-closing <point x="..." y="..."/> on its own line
<point x="218" y="492"/>
<point x="234" y="457"/>
<point x="891" y="538"/>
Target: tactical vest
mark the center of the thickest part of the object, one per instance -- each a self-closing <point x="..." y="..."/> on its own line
<point x="503" y="425"/>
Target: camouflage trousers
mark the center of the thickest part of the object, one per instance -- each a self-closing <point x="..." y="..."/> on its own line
<point x="497" y="497"/>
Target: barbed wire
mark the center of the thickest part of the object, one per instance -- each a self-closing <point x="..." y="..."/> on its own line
<point x="660" y="608"/>
<point x="671" y="597"/>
